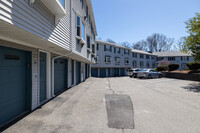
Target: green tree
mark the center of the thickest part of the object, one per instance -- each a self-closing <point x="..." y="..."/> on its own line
<point x="192" y="42"/>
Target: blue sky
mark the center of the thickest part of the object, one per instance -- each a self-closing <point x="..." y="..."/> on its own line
<point x="134" y="20"/>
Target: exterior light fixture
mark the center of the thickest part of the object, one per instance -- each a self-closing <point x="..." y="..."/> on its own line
<point x="30" y="2"/>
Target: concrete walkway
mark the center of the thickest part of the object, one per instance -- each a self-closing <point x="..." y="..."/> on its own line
<point x="160" y="106"/>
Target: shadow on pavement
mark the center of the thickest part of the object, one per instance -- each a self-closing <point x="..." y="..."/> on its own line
<point x="195" y="87"/>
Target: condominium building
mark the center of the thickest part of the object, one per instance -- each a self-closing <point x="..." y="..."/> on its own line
<point x="45" y="48"/>
<point x="176" y="57"/>
<point x="115" y="60"/>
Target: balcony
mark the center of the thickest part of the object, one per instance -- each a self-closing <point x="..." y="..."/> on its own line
<point x="57" y="7"/>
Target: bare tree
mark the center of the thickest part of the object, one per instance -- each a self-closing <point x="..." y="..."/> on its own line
<point x="179" y="44"/>
<point x="110" y="40"/>
<point x="126" y="44"/>
<point x="140" y="45"/>
<point x="159" y="42"/>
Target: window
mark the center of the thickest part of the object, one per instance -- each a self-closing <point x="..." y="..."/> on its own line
<point x="62" y="2"/>
<point x="107" y="48"/>
<point x="153" y="65"/>
<point x="78" y="26"/>
<point x="117" y="60"/>
<point x="152" y="57"/>
<point x="134" y="55"/>
<point x="126" y="61"/>
<point x="83" y="31"/>
<point x="88" y="42"/>
<point x="141" y="56"/>
<point x="97" y="46"/>
<point x="126" y="51"/>
<point x="184" y="58"/>
<point x="159" y="58"/>
<point x="171" y="58"/>
<point x="184" y="65"/>
<point x="81" y="3"/>
<point x="141" y="64"/>
<point x="147" y="64"/>
<point x="107" y="59"/>
<point x="118" y="50"/>
<point x="134" y="63"/>
<point x="93" y="48"/>
<point x="147" y="56"/>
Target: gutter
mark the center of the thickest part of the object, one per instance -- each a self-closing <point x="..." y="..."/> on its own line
<point x="65" y="55"/>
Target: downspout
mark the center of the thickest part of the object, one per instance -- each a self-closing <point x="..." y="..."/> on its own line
<point x="65" y="55"/>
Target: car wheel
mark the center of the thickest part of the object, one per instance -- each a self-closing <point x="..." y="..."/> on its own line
<point x="130" y="76"/>
<point x="149" y="77"/>
<point x="140" y="77"/>
<point x="160" y="76"/>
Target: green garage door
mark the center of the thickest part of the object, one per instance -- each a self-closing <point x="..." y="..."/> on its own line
<point x="15" y="83"/>
<point x="116" y="72"/>
<point x="60" y="75"/>
<point x="86" y="71"/>
<point x="122" y="71"/>
<point x="43" y="73"/>
<point x="102" y="72"/>
<point x="109" y="72"/>
<point x="94" y="72"/>
<point x="78" y="72"/>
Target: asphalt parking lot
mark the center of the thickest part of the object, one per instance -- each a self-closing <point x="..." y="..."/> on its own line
<point x="158" y="106"/>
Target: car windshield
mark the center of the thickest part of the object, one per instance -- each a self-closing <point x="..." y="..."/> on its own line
<point x="130" y="70"/>
<point x="142" y="70"/>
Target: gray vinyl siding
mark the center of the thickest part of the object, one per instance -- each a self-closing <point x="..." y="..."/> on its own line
<point x="101" y="58"/>
<point x="78" y="10"/>
<point x="179" y="61"/>
<point x="38" y="20"/>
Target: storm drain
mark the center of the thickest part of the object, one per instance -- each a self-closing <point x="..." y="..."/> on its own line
<point x="119" y="111"/>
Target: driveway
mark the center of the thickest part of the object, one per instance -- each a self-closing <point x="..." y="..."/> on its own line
<point x="159" y="105"/>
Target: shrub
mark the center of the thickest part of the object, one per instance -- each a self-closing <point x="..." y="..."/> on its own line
<point x="163" y="65"/>
<point x="173" y="67"/>
<point x="193" y="65"/>
<point x="161" y="68"/>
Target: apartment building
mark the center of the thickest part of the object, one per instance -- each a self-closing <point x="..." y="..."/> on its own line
<point x="176" y="57"/>
<point x="45" y="48"/>
<point x="142" y="59"/>
<point x="115" y="60"/>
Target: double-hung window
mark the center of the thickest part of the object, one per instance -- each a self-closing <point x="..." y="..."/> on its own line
<point x="88" y="41"/>
<point x="126" y="61"/>
<point x="117" y="60"/>
<point x="171" y="58"/>
<point x="78" y="26"/>
<point x="107" y="48"/>
<point x="141" y="64"/>
<point x="134" y="55"/>
<point x="141" y="56"/>
<point x="134" y="63"/>
<point x="147" y="64"/>
<point x="126" y="51"/>
<point x="107" y="59"/>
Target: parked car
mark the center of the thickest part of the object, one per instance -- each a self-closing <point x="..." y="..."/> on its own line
<point x="148" y="73"/>
<point x="133" y="73"/>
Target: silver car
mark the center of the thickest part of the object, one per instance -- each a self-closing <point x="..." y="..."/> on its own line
<point x="148" y="73"/>
<point x="133" y="73"/>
